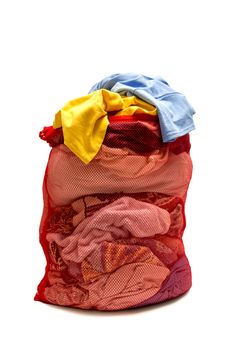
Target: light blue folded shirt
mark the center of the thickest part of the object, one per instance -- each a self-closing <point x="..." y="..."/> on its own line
<point x="174" y="111"/>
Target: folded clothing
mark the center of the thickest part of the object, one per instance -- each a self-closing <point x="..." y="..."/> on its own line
<point x="126" y="286"/>
<point x="115" y="170"/>
<point x="86" y="206"/>
<point x="116" y="220"/>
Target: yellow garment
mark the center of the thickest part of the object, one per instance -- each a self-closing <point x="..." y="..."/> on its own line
<point x="84" y="121"/>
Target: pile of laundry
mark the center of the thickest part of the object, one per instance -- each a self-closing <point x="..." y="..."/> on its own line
<point x="114" y="195"/>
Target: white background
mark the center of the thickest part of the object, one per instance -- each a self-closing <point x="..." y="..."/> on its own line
<point x="53" y="51"/>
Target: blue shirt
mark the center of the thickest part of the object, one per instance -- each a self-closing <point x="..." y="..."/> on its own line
<point x="174" y="111"/>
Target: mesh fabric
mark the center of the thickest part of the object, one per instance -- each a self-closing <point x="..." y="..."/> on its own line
<point x="111" y="230"/>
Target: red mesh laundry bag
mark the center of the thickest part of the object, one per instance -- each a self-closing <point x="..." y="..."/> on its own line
<point x="112" y="228"/>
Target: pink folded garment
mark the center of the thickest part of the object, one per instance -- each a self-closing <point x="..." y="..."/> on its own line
<point x="128" y="285"/>
<point x="126" y="163"/>
<point x="87" y="205"/>
<point x="115" y="170"/>
<point x="116" y="220"/>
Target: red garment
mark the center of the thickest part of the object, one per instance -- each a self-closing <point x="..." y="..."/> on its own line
<point x="139" y="133"/>
<point x="139" y="136"/>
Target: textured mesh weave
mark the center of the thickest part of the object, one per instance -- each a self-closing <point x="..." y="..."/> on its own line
<point x="111" y="230"/>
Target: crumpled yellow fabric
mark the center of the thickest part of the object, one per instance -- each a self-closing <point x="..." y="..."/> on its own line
<point x="84" y="121"/>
